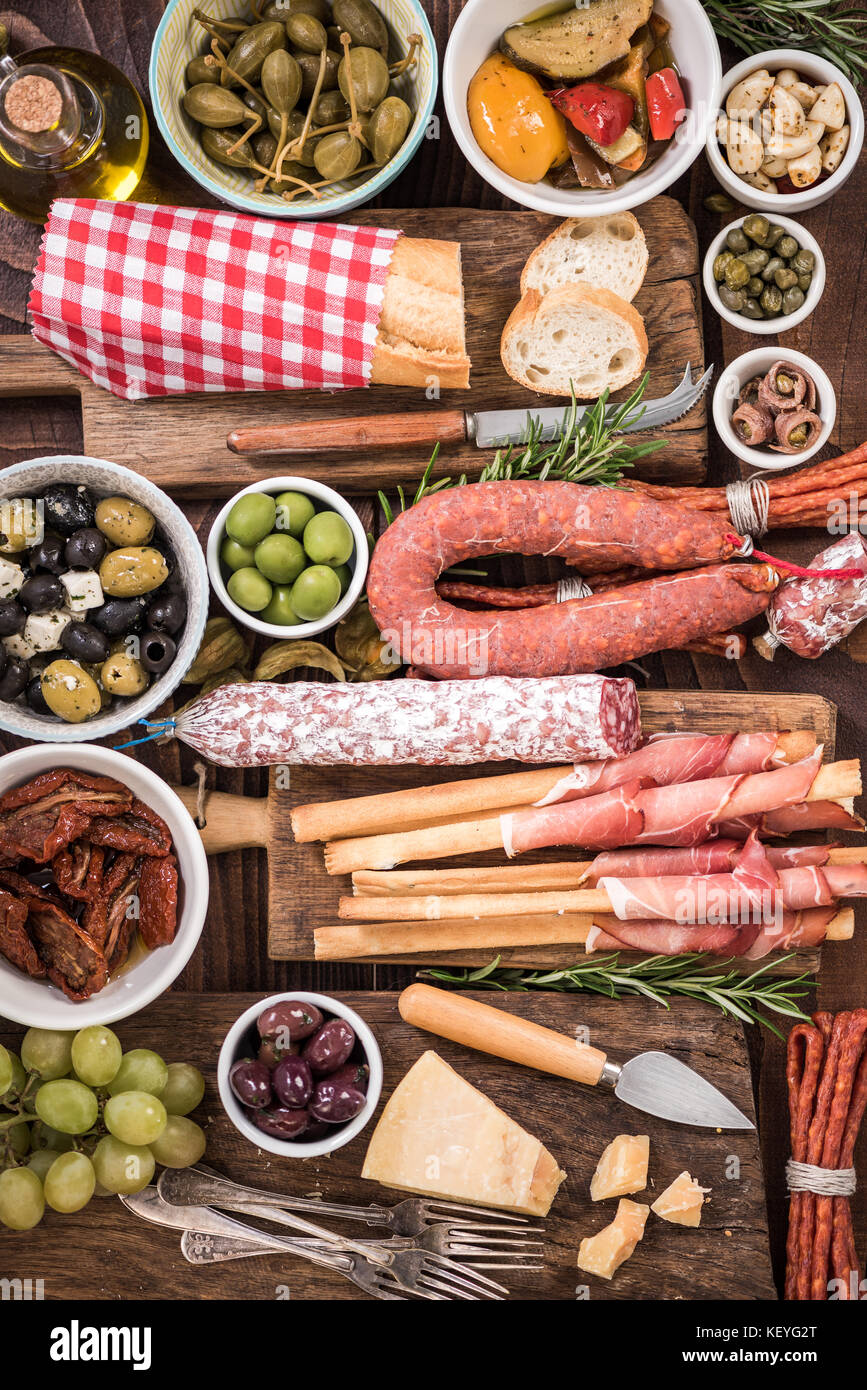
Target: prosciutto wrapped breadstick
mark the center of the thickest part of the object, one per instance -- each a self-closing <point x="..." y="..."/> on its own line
<point x="685" y="814"/>
<point x="369" y="940"/>
<point x="662" y="760"/>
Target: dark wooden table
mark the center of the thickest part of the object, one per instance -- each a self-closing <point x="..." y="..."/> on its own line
<point x="233" y="954"/>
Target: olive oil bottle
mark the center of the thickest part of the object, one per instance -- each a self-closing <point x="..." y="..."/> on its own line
<point x="71" y="126"/>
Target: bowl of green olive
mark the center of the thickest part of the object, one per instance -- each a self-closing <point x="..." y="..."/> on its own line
<point x="293" y="108"/>
<point x="288" y="557"/>
<point x="764" y="274"/>
<point x="103" y="598"/>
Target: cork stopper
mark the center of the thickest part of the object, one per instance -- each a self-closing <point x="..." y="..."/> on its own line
<point x="33" y="104"/>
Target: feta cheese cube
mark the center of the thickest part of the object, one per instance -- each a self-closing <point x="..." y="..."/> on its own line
<point x="44" y="630"/>
<point x="18" y="646"/>
<point x="83" y="590"/>
<point x="11" y="578"/>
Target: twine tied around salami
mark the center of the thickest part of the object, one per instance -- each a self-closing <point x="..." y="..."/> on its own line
<point x="154" y="301"/>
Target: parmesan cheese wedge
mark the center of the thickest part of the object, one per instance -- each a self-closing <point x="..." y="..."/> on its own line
<point x="604" y="1253"/>
<point x="622" y="1167"/>
<point x="681" y="1202"/>
<point x="439" y="1136"/>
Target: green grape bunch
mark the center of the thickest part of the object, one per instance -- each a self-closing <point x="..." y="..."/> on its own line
<point x="79" y="1118"/>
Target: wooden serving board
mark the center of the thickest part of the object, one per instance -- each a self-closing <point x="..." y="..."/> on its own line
<point x="179" y="442"/>
<point x="118" y="1257"/>
<point x="302" y="896"/>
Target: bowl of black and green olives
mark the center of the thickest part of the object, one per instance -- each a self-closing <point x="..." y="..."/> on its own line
<point x="764" y="274"/>
<point x="103" y="598"/>
<point x="288" y="557"/>
<point x="293" y="108"/>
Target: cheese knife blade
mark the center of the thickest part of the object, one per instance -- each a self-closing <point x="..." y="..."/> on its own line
<point x="494" y="429"/>
<point x="654" y="1082"/>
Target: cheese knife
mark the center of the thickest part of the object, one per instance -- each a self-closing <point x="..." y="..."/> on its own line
<point x="653" y="1081"/>
<point x="487" y="429"/>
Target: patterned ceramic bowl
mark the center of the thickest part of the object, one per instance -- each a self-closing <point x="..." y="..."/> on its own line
<point x="179" y="38"/>
<point x="109" y="480"/>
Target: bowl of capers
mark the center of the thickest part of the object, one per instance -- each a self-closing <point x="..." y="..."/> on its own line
<point x="293" y="108"/>
<point x="764" y="274"/>
<point x="103" y="598"/>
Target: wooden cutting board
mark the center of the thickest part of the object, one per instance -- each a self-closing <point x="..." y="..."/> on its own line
<point x="180" y="442"/>
<point x="301" y="895"/>
<point x="119" y="1257"/>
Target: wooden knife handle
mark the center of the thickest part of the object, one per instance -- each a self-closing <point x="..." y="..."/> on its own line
<point x="233" y="822"/>
<point x="499" y="1033"/>
<point x="360" y="432"/>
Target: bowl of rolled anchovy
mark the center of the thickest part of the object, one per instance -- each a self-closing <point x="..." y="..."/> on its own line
<point x="774" y="408"/>
<point x="293" y="108"/>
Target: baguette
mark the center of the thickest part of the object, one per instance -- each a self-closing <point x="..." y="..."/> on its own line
<point x="609" y="253"/>
<point x="577" y="338"/>
<point x="421" y="333"/>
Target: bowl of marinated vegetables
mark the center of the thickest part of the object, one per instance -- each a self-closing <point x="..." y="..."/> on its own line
<point x="790" y="131"/>
<point x="774" y="407"/>
<point x="581" y="109"/>
<point x="764" y="274"/>
<point x="293" y="108"/>
<point x="103" y="598"/>
<point x="300" y="1074"/>
<point x="288" y="557"/>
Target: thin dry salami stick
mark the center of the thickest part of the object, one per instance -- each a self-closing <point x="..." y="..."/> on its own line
<point x="803" y="1063"/>
<point x="847" y="1041"/>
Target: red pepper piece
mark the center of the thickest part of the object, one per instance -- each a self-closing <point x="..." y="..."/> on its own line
<point x="600" y="112"/>
<point x="666" y="104"/>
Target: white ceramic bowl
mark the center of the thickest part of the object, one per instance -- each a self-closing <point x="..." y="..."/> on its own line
<point x="782" y="324"/>
<point x="476" y="35"/>
<point x="758" y="363"/>
<point x="328" y="498"/>
<point x="179" y="38"/>
<point x="818" y="72"/>
<point x="106" y="480"/>
<point x="38" y="1004"/>
<point x="234" y="1048"/>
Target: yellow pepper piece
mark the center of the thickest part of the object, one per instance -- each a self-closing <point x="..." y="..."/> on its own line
<point x="514" y="122"/>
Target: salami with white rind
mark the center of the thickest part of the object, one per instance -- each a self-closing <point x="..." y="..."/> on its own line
<point x="811" y="615"/>
<point x="405" y="721"/>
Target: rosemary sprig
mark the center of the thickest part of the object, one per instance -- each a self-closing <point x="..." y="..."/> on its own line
<point x="693" y="976"/>
<point x="591" y="449"/>
<point x="814" y="26"/>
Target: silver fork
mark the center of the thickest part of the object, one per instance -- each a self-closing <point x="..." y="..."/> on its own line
<point x="410" y="1217"/>
<point x="413" y="1270"/>
<point x="479" y="1254"/>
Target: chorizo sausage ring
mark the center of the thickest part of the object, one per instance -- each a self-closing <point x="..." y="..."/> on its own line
<point x="595" y="528"/>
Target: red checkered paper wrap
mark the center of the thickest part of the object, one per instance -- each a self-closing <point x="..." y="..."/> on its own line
<point x="156" y="301"/>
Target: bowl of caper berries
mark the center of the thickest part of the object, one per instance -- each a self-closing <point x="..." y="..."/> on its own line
<point x="764" y="274"/>
<point x="293" y="108"/>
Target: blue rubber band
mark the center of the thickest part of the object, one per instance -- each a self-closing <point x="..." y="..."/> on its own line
<point x="160" y="727"/>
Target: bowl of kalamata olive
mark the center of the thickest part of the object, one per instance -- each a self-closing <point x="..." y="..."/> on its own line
<point x="300" y="1074"/>
<point x="103" y="598"/>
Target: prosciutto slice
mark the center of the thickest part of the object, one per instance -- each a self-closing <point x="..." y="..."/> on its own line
<point x="667" y="759"/>
<point x="713" y="857"/>
<point x="794" y="930"/>
<point x="681" y="815"/>
<point x="789" y="820"/>
<point x="736" y="897"/>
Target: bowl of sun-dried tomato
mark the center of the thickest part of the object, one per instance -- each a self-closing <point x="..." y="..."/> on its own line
<point x="103" y="886"/>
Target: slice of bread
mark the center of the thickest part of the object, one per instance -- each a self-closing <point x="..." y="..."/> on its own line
<point x="421" y="336"/>
<point x="608" y="252"/>
<point x="577" y="338"/>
